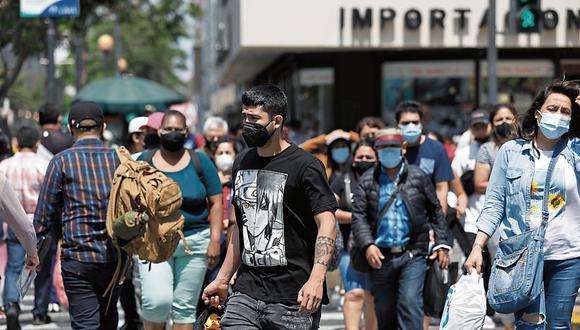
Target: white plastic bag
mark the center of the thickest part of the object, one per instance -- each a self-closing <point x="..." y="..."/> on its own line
<point x="465" y="305"/>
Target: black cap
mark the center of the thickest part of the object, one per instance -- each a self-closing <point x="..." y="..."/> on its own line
<point x="84" y="110"/>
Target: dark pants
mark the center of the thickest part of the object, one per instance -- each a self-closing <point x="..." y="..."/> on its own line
<point x="129" y="301"/>
<point x="398" y="290"/>
<point x="244" y="313"/>
<point x="43" y="288"/>
<point x="85" y="284"/>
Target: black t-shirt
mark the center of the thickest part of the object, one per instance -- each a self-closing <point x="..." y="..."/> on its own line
<point x="275" y="200"/>
<point x="338" y="185"/>
<point x="56" y="140"/>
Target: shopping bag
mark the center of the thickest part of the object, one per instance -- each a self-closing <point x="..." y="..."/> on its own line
<point x="437" y="283"/>
<point x="465" y="305"/>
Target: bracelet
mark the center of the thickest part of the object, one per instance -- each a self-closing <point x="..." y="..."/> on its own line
<point x="479" y="246"/>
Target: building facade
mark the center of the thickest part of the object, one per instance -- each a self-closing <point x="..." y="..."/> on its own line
<point x="340" y="60"/>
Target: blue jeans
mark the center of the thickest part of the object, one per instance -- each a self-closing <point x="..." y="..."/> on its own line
<point x="561" y="282"/>
<point x="14" y="266"/>
<point x="400" y="284"/>
<point x="246" y="313"/>
<point x="351" y="278"/>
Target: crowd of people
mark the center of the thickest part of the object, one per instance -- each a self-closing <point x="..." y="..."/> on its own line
<point x="264" y="215"/>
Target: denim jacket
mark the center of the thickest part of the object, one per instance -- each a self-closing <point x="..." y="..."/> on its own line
<point x="508" y="196"/>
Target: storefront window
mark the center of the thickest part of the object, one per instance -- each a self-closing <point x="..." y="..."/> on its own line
<point x="518" y="81"/>
<point x="314" y="102"/>
<point x="445" y="88"/>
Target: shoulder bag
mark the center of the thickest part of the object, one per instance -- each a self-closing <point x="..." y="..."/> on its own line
<point x="516" y="278"/>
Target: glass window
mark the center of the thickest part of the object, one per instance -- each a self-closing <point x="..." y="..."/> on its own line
<point x="314" y="101"/>
<point x="518" y="81"/>
<point x="445" y="88"/>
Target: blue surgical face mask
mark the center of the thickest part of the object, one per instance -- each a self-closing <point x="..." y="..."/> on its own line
<point x="411" y="132"/>
<point x="554" y="125"/>
<point x="340" y="155"/>
<point x="390" y="157"/>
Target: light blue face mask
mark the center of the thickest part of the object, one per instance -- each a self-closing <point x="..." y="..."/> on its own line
<point x="554" y="125"/>
<point x="411" y="132"/>
<point x="340" y="155"/>
<point x="390" y="157"/>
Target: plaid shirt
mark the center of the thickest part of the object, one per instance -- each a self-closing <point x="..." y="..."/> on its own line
<point x="77" y="185"/>
<point x="25" y="171"/>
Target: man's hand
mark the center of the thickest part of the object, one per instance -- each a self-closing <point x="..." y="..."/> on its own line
<point x="213" y="254"/>
<point x="32" y="263"/>
<point x="215" y="293"/>
<point x="374" y="256"/>
<point x="310" y="296"/>
<point x="442" y="256"/>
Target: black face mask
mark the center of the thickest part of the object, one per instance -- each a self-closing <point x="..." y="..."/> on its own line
<point x="255" y="134"/>
<point x="362" y="166"/>
<point x="504" y="130"/>
<point x="210" y="145"/>
<point x="173" y="141"/>
<point x="482" y="140"/>
<point x="151" y="141"/>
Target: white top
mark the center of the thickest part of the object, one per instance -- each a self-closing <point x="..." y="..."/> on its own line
<point x="465" y="161"/>
<point x="562" y="235"/>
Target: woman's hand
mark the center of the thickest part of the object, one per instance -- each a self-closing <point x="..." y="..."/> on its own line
<point x="475" y="259"/>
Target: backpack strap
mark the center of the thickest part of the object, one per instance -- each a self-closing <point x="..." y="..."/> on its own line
<point x="197" y="165"/>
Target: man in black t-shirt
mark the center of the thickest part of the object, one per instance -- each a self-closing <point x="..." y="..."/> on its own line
<point x="285" y="227"/>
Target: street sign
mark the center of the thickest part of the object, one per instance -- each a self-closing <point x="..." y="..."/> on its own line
<point x="50" y="8"/>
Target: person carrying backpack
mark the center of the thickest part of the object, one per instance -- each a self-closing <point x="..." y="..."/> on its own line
<point x="175" y="285"/>
<point x="73" y="200"/>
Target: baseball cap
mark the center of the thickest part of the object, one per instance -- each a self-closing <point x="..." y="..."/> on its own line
<point x="136" y="123"/>
<point x="388" y="136"/>
<point x="479" y="117"/>
<point x="335" y="136"/>
<point x="84" y="110"/>
<point x="153" y="121"/>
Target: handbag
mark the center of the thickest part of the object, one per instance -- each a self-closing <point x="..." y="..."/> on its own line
<point x="357" y="253"/>
<point x="516" y="278"/>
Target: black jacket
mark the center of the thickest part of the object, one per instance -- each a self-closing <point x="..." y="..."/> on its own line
<point x="419" y="197"/>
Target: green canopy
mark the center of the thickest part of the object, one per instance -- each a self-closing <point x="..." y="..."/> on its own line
<point x="126" y="94"/>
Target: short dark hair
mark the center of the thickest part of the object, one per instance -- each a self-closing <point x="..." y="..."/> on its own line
<point x="5" y="146"/>
<point x="228" y="139"/>
<point x="364" y="143"/>
<point x="268" y="96"/>
<point x="408" y="106"/>
<point x="528" y="128"/>
<point x="48" y="114"/>
<point x="174" y="113"/>
<point x="374" y="122"/>
<point x="27" y="137"/>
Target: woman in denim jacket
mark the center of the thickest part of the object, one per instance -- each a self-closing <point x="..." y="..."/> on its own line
<point x="514" y="197"/>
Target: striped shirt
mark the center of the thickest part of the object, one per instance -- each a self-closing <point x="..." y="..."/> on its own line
<point x="25" y="171"/>
<point x="76" y="190"/>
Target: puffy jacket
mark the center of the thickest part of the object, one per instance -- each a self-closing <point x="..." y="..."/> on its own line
<point x="418" y="194"/>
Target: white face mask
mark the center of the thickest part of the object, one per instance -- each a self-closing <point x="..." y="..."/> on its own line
<point x="224" y="162"/>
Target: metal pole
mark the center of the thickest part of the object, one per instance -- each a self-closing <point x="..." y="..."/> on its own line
<point x="117" y="36"/>
<point x="78" y="41"/>
<point x="106" y="63"/>
<point x="491" y="55"/>
<point x="50" y="82"/>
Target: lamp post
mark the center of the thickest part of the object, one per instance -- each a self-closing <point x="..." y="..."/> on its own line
<point x="106" y="43"/>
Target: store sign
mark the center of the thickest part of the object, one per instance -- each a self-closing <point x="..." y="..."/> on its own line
<point x="521" y="68"/>
<point x="434" y="69"/>
<point x="436" y="18"/>
<point x="49" y="8"/>
<point x="316" y="77"/>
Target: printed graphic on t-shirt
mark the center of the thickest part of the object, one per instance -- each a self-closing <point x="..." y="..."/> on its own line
<point x="259" y="195"/>
<point x="557" y="194"/>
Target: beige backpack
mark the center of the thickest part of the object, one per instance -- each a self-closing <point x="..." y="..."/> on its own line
<point x="143" y="215"/>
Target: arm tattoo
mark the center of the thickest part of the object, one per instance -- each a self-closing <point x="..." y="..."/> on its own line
<point x="323" y="250"/>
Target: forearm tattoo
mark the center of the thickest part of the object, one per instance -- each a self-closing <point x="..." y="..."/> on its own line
<point x="323" y="250"/>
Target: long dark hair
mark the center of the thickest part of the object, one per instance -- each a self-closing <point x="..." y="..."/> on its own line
<point x="528" y="127"/>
